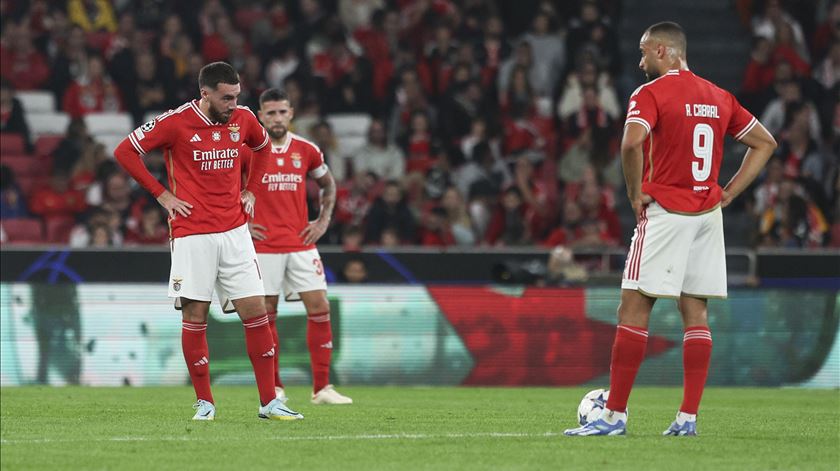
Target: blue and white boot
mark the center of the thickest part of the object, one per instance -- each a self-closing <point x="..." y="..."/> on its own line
<point x="204" y="410"/>
<point x="609" y="423"/>
<point x="277" y="410"/>
<point x="685" y="425"/>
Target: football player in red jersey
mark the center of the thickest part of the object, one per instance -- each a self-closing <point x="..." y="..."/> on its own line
<point x="210" y="244"/>
<point x="285" y="239"/>
<point x="671" y="153"/>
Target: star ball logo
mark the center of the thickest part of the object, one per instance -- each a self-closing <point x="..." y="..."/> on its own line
<point x="217" y="136"/>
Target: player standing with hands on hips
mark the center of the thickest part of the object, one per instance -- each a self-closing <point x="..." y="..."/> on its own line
<point x="211" y="248"/>
<point x="671" y="153"/>
<point x="285" y="239"/>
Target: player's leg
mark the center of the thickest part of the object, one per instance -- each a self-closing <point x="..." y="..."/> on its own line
<point x="192" y="276"/>
<point x="629" y="346"/>
<point x="273" y="271"/>
<point x="697" y="351"/>
<point x="197" y="355"/>
<point x="239" y="277"/>
<point x="271" y="311"/>
<point x="320" y="343"/>
<point x="707" y="279"/>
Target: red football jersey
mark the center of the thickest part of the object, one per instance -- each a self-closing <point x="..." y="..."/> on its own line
<point x="687" y="119"/>
<point x="281" y="195"/>
<point x="203" y="161"/>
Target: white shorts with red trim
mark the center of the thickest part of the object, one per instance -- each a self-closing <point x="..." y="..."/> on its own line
<point x="292" y="273"/>
<point x="674" y="254"/>
<point x="225" y="261"/>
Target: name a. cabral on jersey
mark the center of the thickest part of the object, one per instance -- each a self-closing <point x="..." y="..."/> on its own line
<point x="215" y="159"/>
<point x="702" y="111"/>
<point x="282" y="181"/>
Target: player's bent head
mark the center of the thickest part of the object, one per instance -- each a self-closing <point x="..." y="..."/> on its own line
<point x="669" y="34"/>
<point x="211" y="75"/>
<point x="273" y="94"/>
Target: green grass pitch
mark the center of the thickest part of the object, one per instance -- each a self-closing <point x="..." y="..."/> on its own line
<point x="411" y="428"/>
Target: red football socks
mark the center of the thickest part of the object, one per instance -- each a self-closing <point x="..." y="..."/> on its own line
<point x="261" y="351"/>
<point x="272" y="324"/>
<point x="627" y="354"/>
<point x="197" y="356"/>
<point x="697" y="351"/>
<point x="319" y="340"/>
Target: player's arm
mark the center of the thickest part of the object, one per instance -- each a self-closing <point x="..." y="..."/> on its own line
<point x="632" y="155"/>
<point x="760" y="146"/>
<point x="316" y="229"/>
<point x="257" y="140"/>
<point x="129" y="154"/>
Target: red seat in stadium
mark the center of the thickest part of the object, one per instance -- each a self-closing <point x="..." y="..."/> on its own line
<point x="11" y="143"/>
<point x="58" y="229"/>
<point x="29" y="183"/>
<point x="46" y="145"/>
<point x="27" y="230"/>
<point x="21" y="165"/>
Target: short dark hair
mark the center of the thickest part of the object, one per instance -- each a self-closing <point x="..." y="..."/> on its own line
<point x="273" y="94"/>
<point x="213" y="74"/>
<point x="672" y="32"/>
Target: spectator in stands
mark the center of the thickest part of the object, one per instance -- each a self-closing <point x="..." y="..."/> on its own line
<point x="773" y="16"/>
<point x="80" y="235"/>
<point x="785" y="49"/>
<point x="352" y="239"/>
<point x="94" y="92"/>
<point x="151" y="230"/>
<point x="591" y="33"/>
<point x="827" y="73"/>
<point x="759" y="74"/>
<point x="418" y="143"/>
<point x="58" y="199"/>
<point x="12" y="118"/>
<point x="483" y="171"/>
<point x="117" y="194"/>
<point x="148" y="93"/>
<point x="507" y="226"/>
<point x="92" y="15"/>
<point x="828" y="32"/>
<point x="76" y="142"/>
<point x="457" y="217"/>
<point x="599" y="214"/>
<point x="537" y="75"/>
<point x="587" y="76"/>
<point x="768" y="190"/>
<point x="569" y="229"/>
<point x="548" y="49"/>
<point x="23" y="65"/>
<point x="12" y="202"/>
<point x="436" y="231"/>
<point x="354" y="198"/>
<point x="354" y="272"/>
<point x="793" y="221"/>
<point x="390" y="210"/>
<point x="798" y="144"/>
<point x="537" y="195"/>
<point x="779" y="111"/>
<point x="493" y="48"/>
<point x="379" y="156"/>
<point x="100" y="237"/>
<point x="441" y="55"/>
<point x="71" y="62"/>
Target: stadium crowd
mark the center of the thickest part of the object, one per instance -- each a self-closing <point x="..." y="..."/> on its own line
<point x="484" y="123"/>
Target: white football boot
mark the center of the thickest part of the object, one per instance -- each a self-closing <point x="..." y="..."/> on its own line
<point x="204" y="410"/>
<point x="328" y="395"/>
<point x="277" y="410"/>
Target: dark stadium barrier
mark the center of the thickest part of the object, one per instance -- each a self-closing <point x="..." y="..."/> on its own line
<point x="127" y="333"/>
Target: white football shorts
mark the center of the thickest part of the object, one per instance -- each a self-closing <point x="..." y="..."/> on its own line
<point x="225" y="261"/>
<point x="674" y="254"/>
<point x="292" y="273"/>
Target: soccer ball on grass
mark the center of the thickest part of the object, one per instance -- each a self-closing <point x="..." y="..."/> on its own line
<point x="591" y="405"/>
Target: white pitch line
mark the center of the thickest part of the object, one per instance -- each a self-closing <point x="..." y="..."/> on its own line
<point x="396" y="436"/>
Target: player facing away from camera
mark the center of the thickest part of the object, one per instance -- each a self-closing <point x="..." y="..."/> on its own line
<point x="671" y="153"/>
<point x="285" y="239"/>
<point x="210" y="245"/>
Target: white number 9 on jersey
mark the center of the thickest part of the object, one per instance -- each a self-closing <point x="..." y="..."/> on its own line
<point x="704" y="138"/>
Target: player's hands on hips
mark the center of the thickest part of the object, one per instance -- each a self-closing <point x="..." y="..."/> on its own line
<point x="256" y="231"/>
<point x="314" y="231"/>
<point x="639" y="204"/>
<point x="173" y="205"/>
<point x="248" y="200"/>
<point x="726" y="198"/>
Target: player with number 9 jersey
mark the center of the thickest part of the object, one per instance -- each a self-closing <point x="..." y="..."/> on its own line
<point x="687" y="118"/>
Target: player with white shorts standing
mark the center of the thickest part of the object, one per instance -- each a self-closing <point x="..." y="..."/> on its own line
<point x="671" y="152"/>
<point x="285" y="239"/>
<point x="202" y="142"/>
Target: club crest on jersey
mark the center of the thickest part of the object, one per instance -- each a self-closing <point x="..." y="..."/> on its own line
<point x="234" y="133"/>
<point x="176" y="284"/>
<point x="296" y="160"/>
<point x="217" y="136"/>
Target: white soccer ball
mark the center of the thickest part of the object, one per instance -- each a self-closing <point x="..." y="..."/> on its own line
<point x="591" y="405"/>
